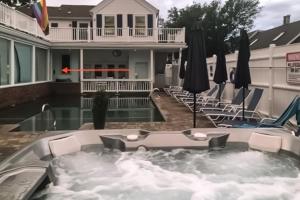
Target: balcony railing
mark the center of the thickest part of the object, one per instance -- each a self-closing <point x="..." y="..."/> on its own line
<point x="115" y="85"/>
<point x="18" y="20"/>
<point x="159" y="35"/>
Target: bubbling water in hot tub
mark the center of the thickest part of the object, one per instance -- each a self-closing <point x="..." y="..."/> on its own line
<point x="175" y="175"/>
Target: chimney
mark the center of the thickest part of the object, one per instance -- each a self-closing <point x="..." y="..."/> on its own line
<point x="286" y="19"/>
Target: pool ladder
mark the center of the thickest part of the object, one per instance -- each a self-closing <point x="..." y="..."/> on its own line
<point x="44" y="108"/>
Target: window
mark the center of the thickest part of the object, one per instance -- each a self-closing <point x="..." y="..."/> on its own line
<point x="65" y="61"/>
<point x="111" y="74"/>
<point x="109" y="25"/>
<point x="140" y="25"/>
<point x="4" y="62"/>
<point x="278" y="37"/>
<point x="54" y="25"/>
<point x="23" y="63"/>
<point x="41" y="64"/>
<point x="98" y="74"/>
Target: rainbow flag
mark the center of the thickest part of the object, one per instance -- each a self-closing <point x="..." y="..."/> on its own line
<point x="41" y="14"/>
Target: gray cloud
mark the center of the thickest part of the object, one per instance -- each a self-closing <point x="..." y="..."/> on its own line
<point x="271" y="15"/>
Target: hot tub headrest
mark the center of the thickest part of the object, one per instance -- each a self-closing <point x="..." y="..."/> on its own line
<point x="264" y="142"/>
<point x="72" y="144"/>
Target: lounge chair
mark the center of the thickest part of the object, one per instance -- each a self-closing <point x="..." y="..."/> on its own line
<point x="236" y="112"/>
<point x="190" y="97"/>
<point x="292" y="109"/>
<point x="210" y="97"/>
<point x="223" y="106"/>
<point x="172" y="89"/>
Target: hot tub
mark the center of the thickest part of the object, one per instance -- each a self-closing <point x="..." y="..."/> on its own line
<point x="135" y="164"/>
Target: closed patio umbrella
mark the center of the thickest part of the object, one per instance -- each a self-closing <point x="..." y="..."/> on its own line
<point x="182" y="64"/>
<point x="221" y="76"/>
<point x="196" y="76"/>
<point x="242" y="75"/>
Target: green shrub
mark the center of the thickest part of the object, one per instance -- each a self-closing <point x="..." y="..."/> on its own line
<point x="100" y="107"/>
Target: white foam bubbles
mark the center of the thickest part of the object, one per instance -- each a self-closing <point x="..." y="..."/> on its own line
<point x="176" y="175"/>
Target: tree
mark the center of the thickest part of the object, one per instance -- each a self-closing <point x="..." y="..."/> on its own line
<point x="16" y="3"/>
<point x="219" y="20"/>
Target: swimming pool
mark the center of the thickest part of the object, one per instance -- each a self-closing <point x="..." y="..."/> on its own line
<point x="71" y="113"/>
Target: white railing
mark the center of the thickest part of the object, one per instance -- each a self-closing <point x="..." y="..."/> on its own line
<point x="159" y="35"/>
<point x="117" y="103"/>
<point x="18" y="20"/>
<point x="115" y="85"/>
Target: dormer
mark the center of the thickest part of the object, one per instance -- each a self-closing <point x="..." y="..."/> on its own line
<point x="138" y="14"/>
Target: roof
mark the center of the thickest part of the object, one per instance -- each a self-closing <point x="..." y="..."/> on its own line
<point x="64" y="11"/>
<point x="144" y="3"/>
<point x="266" y="38"/>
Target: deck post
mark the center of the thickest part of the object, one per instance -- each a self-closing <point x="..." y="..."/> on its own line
<point x="271" y="79"/>
<point x="179" y="66"/>
<point x="152" y="68"/>
<point x="12" y="62"/>
<point x="33" y="69"/>
<point x="81" y="70"/>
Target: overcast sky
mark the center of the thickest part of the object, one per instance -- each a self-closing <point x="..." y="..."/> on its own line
<point x="271" y="15"/>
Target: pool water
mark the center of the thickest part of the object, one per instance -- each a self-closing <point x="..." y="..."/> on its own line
<point x="72" y="112"/>
<point x="175" y="175"/>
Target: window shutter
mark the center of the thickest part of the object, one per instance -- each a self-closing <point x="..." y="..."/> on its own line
<point x="99" y="24"/>
<point x="119" y="25"/>
<point x="130" y="21"/>
<point x="150" y="21"/>
<point x="99" y="21"/>
<point x="150" y="25"/>
<point x="119" y="21"/>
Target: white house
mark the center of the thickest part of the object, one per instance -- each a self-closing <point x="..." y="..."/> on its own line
<point x="121" y="37"/>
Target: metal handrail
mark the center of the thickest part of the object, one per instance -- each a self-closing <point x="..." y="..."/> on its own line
<point x="44" y="108"/>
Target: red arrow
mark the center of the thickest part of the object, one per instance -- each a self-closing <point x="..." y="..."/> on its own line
<point x="67" y="70"/>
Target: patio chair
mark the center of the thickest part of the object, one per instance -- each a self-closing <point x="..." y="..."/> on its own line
<point x="235" y="112"/>
<point x="171" y="89"/>
<point x="190" y="99"/>
<point x="236" y="101"/>
<point x="292" y="110"/>
<point x="214" y="98"/>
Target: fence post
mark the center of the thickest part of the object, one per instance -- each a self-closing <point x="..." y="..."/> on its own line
<point x="271" y="79"/>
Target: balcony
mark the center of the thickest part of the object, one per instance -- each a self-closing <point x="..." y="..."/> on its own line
<point x="156" y="35"/>
<point x="19" y="21"/>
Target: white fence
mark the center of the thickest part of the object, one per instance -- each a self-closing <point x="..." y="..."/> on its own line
<point x="160" y="35"/>
<point x="119" y="103"/>
<point x="268" y="71"/>
<point x="115" y="85"/>
<point x="17" y="20"/>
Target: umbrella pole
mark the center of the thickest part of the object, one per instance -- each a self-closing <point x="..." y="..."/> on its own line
<point x="194" y="110"/>
<point x="243" y="104"/>
<point x="220" y="85"/>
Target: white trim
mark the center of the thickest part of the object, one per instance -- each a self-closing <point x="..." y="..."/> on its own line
<point x="12" y="62"/>
<point x="33" y="63"/>
<point x="295" y="38"/>
<point x="252" y="43"/>
<point x="278" y="37"/>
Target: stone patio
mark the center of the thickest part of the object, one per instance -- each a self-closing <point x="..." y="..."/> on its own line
<point x="177" y="117"/>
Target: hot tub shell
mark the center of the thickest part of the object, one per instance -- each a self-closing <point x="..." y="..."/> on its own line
<point x="27" y="170"/>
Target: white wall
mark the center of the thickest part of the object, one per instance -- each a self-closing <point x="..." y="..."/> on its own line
<point x="68" y="23"/>
<point x="139" y="56"/>
<point x="104" y="58"/>
<point x="268" y="71"/>
<point x="126" y="7"/>
<point x="56" y="63"/>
